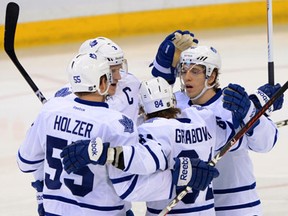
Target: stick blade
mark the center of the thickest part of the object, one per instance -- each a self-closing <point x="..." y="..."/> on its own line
<point x="12" y="13"/>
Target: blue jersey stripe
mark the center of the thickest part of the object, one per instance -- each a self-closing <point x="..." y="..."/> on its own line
<point x="130" y="189"/>
<point x="246" y="205"/>
<point x="234" y="190"/>
<point x="83" y="205"/>
<point x="131" y="159"/>
<point x="27" y="161"/>
<point x="122" y="179"/>
<point x="183" y="211"/>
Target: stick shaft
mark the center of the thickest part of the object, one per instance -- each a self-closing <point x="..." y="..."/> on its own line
<point x="12" y="13"/>
<point x="270" y="42"/>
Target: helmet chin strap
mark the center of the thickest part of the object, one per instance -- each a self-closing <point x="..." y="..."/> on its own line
<point x="206" y="87"/>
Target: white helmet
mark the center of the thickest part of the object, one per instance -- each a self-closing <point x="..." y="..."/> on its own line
<point x="156" y="95"/>
<point x="104" y="47"/>
<point x="85" y="71"/>
<point x="203" y="55"/>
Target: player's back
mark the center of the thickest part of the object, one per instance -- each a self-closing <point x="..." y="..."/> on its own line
<point x="89" y="191"/>
<point x="189" y="139"/>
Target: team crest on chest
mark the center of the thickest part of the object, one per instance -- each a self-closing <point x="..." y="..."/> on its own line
<point x="127" y="123"/>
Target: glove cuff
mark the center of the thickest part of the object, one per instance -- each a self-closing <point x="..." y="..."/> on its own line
<point x="39" y="197"/>
<point x="251" y="112"/>
<point x="263" y="99"/>
<point x="167" y="73"/>
<point x="185" y="171"/>
<point x="95" y="149"/>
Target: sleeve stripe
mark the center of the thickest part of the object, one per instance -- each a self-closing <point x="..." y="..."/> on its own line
<point x="157" y="163"/>
<point x="28" y="171"/>
<point x="131" y="159"/>
<point x="131" y="188"/>
<point x="27" y="161"/>
<point x="123" y="179"/>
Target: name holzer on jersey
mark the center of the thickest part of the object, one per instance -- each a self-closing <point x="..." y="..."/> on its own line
<point x="75" y="126"/>
<point x="194" y="135"/>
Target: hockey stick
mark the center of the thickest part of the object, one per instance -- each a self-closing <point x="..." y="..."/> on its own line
<point x="270" y="43"/>
<point x="12" y="13"/>
<point x="228" y="145"/>
<point x="282" y="123"/>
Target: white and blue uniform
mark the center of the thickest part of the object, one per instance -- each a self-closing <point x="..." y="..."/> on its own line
<point x="195" y="134"/>
<point x="235" y="188"/>
<point x="125" y="100"/>
<point x="88" y="191"/>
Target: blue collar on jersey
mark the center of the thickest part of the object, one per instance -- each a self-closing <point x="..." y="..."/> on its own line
<point x="91" y="103"/>
<point x="212" y="100"/>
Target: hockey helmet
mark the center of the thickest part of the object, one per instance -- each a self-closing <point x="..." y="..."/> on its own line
<point x="85" y="71"/>
<point x="202" y="55"/>
<point x="156" y="95"/>
<point x="104" y="47"/>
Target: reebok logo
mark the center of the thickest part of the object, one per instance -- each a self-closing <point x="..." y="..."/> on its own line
<point x="264" y="96"/>
<point x="94" y="147"/>
<point x="184" y="169"/>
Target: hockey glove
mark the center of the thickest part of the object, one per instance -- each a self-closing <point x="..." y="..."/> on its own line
<point x="83" y="152"/>
<point x="237" y="101"/>
<point x="263" y="94"/>
<point x="193" y="172"/>
<point x="38" y="185"/>
<point x="166" y="55"/>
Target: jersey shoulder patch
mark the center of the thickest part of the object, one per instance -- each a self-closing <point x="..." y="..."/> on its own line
<point x="63" y="92"/>
<point x="127" y="123"/>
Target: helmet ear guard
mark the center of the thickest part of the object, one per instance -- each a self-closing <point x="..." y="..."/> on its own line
<point x="156" y="95"/>
<point x="85" y="72"/>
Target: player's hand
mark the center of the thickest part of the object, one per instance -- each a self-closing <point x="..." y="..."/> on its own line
<point x="263" y="94"/>
<point x="83" y="152"/>
<point x="236" y="99"/>
<point x="193" y="172"/>
<point x="168" y="54"/>
<point x="182" y="40"/>
<point x="38" y="185"/>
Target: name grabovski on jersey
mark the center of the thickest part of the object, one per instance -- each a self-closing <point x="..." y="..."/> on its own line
<point x="192" y="136"/>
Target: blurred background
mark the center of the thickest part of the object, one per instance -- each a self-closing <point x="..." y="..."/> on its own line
<point x="55" y="22"/>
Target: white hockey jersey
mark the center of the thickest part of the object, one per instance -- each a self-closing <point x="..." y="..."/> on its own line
<point x="89" y="191"/>
<point x="235" y="188"/>
<point x="125" y="99"/>
<point x="193" y="135"/>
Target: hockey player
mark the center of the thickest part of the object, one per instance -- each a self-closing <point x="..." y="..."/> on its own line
<point x="124" y="98"/>
<point x="186" y="140"/>
<point x="235" y="189"/>
<point x="62" y="121"/>
<point x="122" y="94"/>
<point x="194" y="135"/>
